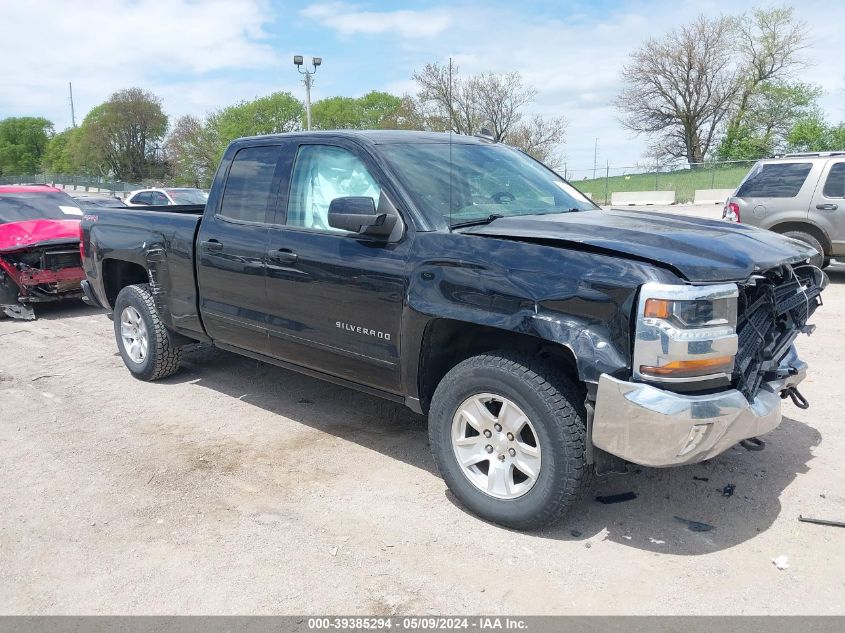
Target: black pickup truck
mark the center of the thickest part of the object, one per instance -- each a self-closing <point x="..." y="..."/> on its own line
<point x="546" y="339"/>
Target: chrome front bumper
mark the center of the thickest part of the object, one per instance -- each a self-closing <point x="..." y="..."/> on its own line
<point x="654" y="427"/>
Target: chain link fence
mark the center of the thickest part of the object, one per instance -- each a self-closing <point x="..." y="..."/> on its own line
<point x="70" y="182"/>
<point x="602" y="181"/>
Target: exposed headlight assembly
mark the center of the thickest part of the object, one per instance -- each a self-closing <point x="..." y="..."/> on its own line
<point x="685" y="333"/>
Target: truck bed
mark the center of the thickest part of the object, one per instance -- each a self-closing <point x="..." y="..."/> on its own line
<point x="155" y="239"/>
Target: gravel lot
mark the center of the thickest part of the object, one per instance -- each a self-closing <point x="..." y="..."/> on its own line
<point x="237" y="487"/>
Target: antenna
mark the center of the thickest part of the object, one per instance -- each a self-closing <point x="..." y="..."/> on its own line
<point x="72" y="113"/>
<point x="450" y="143"/>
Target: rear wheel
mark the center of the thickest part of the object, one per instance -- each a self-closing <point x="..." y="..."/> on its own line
<point x="508" y="436"/>
<point x="817" y="260"/>
<point x="145" y="344"/>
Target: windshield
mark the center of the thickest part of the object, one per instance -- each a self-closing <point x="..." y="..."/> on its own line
<point x="484" y="181"/>
<point x="188" y="196"/>
<point x="18" y="206"/>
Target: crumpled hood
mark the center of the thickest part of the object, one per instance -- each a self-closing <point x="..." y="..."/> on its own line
<point x="15" y="236"/>
<point x="700" y="250"/>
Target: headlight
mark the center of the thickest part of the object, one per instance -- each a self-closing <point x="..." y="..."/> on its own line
<point x="685" y="333"/>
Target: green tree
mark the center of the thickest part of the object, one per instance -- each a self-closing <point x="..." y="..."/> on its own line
<point x="273" y="114"/>
<point x="193" y="150"/>
<point x="23" y="141"/>
<point x="814" y="134"/>
<point x="61" y="156"/>
<point x="124" y="136"/>
<point x="770" y="115"/>
<point x="372" y="111"/>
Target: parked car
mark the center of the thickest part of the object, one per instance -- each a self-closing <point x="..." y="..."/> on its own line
<point x="39" y="248"/>
<point x="543" y="337"/>
<point x="165" y="197"/>
<point x="97" y="202"/>
<point x="801" y="196"/>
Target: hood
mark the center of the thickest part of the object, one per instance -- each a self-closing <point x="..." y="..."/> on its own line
<point x="700" y="250"/>
<point x="15" y="236"/>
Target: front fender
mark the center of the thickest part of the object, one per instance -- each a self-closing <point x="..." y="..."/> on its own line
<point x="581" y="300"/>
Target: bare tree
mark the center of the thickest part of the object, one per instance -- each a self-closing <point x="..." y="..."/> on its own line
<point x="466" y="105"/>
<point x="681" y="87"/>
<point x="540" y="137"/>
<point x="770" y="44"/>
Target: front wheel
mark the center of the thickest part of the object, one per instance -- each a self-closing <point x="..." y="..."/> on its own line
<point x="144" y="342"/>
<point x="508" y="436"/>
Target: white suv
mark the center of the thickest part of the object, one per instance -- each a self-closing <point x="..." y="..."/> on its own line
<point x="165" y="197"/>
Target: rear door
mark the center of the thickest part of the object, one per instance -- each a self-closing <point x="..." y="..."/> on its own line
<point x="231" y="249"/>
<point x="335" y="298"/>
<point x="827" y="209"/>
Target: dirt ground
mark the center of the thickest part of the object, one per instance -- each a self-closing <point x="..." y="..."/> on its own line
<point x="236" y="487"/>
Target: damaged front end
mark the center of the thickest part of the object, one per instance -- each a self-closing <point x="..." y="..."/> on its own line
<point x="37" y="274"/>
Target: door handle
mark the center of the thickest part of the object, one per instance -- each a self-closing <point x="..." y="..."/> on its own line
<point x="212" y="246"/>
<point x="827" y="207"/>
<point x="282" y="256"/>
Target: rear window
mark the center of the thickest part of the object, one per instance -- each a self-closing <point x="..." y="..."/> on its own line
<point x="249" y="186"/>
<point x="18" y="206"/>
<point x="834" y="186"/>
<point x="188" y="196"/>
<point x="775" y="180"/>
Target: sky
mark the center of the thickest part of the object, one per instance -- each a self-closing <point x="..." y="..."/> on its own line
<point x="201" y="55"/>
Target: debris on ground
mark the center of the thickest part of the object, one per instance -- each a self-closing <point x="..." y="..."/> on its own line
<point x="829" y="522"/>
<point x="695" y="526"/>
<point x="619" y="498"/>
<point x="575" y="533"/>
<point x="626" y="537"/>
<point x="781" y="562"/>
<point x="656" y="541"/>
<point x="333" y="551"/>
<point x="701" y="478"/>
<point x="728" y="490"/>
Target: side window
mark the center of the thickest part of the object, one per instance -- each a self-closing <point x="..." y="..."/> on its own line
<point x="321" y="174"/>
<point x="159" y="199"/>
<point x="249" y="187"/>
<point x="834" y="186"/>
<point x="142" y="198"/>
<point x="775" y="180"/>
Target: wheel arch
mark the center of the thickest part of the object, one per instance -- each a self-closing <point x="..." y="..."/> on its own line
<point x="806" y="227"/>
<point x="447" y="342"/>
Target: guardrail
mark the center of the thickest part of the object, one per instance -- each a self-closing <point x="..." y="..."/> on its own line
<point x="69" y="182"/>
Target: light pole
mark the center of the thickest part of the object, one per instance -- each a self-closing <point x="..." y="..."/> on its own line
<point x="308" y="81"/>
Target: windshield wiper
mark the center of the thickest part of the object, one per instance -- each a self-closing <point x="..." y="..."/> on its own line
<point x="477" y="221"/>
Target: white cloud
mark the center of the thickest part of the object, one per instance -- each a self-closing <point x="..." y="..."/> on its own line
<point x="113" y="44"/>
<point x="350" y="20"/>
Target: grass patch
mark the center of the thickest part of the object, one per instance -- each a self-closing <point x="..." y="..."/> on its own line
<point x="683" y="182"/>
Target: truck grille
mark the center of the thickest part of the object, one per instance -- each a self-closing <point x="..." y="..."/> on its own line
<point x="773" y="309"/>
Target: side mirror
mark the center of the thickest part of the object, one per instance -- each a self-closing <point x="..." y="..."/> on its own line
<point x="358" y="214"/>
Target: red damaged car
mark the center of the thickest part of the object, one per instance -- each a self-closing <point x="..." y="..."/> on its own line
<point x="39" y="248"/>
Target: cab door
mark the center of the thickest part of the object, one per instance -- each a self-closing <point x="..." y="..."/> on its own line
<point x="231" y="249"/>
<point x="334" y="298"/>
<point x="827" y="210"/>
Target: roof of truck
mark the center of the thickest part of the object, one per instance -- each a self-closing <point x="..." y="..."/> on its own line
<point x="382" y="137"/>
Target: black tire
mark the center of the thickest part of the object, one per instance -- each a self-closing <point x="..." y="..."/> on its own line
<point x="819" y="260"/>
<point x="163" y="355"/>
<point x="555" y="410"/>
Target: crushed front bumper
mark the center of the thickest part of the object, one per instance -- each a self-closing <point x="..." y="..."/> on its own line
<point x="654" y="427"/>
